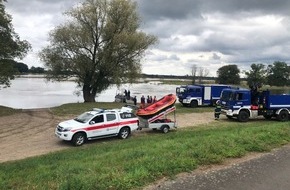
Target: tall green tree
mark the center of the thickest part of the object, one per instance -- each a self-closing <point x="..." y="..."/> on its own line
<point x="229" y="74"/>
<point x="100" y="45"/>
<point x="257" y="75"/>
<point x="10" y="47"/>
<point x="278" y="74"/>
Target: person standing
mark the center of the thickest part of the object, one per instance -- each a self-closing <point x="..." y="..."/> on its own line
<point x="217" y="110"/>
<point x="154" y="99"/>
<point x="150" y="99"/>
<point x="128" y="95"/>
<point x="135" y="100"/>
<point x="142" y="101"/>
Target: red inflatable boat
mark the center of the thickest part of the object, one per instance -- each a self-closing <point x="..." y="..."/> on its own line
<point x="157" y="107"/>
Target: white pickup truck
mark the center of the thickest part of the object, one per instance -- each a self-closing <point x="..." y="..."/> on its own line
<point x="98" y="123"/>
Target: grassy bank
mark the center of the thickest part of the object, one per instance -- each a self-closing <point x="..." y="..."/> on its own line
<point x="142" y="159"/>
<point x="4" y="111"/>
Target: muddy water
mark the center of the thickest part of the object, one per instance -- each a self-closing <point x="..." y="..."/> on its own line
<point x="27" y="93"/>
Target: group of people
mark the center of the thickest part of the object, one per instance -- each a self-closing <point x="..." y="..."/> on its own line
<point x="147" y="101"/>
<point x="127" y="94"/>
<point x="144" y="101"/>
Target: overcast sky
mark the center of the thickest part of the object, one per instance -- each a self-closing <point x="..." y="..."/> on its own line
<point x="205" y="33"/>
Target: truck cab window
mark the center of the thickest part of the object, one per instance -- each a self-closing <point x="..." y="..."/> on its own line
<point x="111" y="117"/>
<point x="180" y="90"/>
<point x="98" y="119"/>
<point x="239" y="96"/>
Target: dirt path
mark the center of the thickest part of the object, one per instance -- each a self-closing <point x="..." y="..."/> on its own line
<point x="27" y="134"/>
<point x="31" y="132"/>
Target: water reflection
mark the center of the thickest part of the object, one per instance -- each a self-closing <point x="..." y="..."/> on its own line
<point x="29" y="93"/>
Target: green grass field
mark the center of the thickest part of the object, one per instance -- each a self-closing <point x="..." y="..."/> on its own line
<point x="143" y="159"/>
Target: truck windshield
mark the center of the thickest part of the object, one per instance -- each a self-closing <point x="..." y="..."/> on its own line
<point x="180" y="90"/>
<point x="83" y="118"/>
<point x="227" y="95"/>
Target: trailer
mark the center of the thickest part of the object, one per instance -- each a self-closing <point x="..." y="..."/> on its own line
<point x="244" y="104"/>
<point x="198" y="95"/>
<point x="159" y="121"/>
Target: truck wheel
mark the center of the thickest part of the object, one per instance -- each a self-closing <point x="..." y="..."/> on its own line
<point x="124" y="133"/>
<point x="243" y="116"/>
<point x="283" y="115"/>
<point x="165" y="128"/>
<point x="193" y="103"/>
<point x="79" y="139"/>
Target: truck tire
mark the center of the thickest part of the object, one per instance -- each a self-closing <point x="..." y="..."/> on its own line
<point x="124" y="133"/>
<point x="165" y="128"/>
<point x="243" y="116"/>
<point x="283" y="116"/>
<point x="79" y="139"/>
<point x="193" y="103"/>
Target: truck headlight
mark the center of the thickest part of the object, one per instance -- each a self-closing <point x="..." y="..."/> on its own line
<point x="66" y="129"/>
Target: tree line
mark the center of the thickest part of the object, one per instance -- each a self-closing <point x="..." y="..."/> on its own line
<point x="21" y="68"/>
<point x="276" y="74"/>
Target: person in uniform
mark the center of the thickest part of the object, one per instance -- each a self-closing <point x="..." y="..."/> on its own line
<point x="217" y="110"/>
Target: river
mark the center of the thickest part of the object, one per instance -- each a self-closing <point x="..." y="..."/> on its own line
<point x="28" y="93"/>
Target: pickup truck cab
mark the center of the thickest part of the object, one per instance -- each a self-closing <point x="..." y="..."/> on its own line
<point x="98" y="123"/>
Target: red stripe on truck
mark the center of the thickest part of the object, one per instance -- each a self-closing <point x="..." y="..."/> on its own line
<point x="102" y="126"/>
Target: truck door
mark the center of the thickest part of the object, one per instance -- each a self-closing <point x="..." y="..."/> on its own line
<point x="241" y="100"/>
<point x="207" y="93"/>
<point x="96" y="127"/>
<point x="111" y="125"/>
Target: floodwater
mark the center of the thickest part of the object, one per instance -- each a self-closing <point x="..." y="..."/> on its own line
<point x="27" y="93"/>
